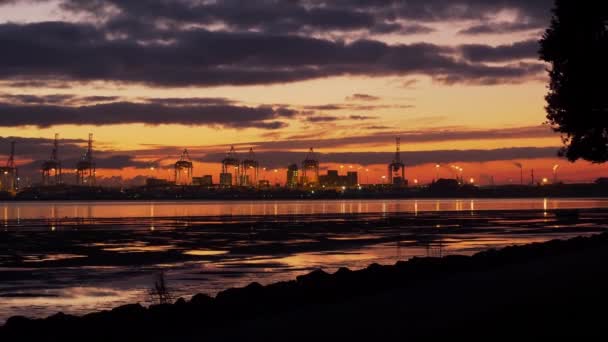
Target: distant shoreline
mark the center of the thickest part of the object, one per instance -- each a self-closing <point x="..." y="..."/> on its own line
<point x="67" y="193"/>
<point x="531" y="289"/>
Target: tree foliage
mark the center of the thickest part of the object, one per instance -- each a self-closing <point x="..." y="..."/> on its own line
<point x="576" y="46"/>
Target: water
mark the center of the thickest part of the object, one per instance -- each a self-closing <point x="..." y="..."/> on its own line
<point x="133" y="209"/>
<point x="79" y="257"/>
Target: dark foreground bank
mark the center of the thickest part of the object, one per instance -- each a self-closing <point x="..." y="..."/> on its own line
<point x="553" y="289"/>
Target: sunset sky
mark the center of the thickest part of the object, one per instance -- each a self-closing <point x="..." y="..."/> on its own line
<point x="458" y="80"/>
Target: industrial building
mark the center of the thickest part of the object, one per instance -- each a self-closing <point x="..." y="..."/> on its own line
<point x="157" y="183"/>
<point x="206" y="180"/>
<point x="396" y="169"/>
<point x="293" y="176"/>
<point x="51" y="168"/>
<point x="9" y="175"/>
<point x="250" y="170"/>
<point x="225" y="179"/>
<point x="231" y="169"/>
<point x="235" y="172"/>
<point x="85" y="169"/>
<point x="334" y="180"/>
<point x="310" y="169"/>
<point x="183" y="169"/>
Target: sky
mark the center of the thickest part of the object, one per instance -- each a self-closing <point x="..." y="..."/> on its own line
<point x="459" y="81"/>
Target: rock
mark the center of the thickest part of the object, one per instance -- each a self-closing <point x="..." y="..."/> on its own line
<point x="201" y="299"/>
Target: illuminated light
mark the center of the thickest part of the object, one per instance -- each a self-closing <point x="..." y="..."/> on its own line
<point x="312" y="192"/>
<point x="437" y="166"/>
<point x="472" y="180"/>
<point x="415" y="181"/>
<point x="545" y="180"/>
<point x="343" y="188"/>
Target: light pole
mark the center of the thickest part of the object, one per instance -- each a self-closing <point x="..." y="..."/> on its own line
<point x="367" y="176"/>
<point x="555" y="167"/>
<point x="437" y="166"/>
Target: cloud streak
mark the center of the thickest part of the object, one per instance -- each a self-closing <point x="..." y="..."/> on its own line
<point x="50" y="111"/>
<point x="431" y="135"/>
<point x="275" y="159"/>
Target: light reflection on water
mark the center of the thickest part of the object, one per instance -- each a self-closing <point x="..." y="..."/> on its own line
<point x="77" y="266"/>
<point x="119" y="209"/>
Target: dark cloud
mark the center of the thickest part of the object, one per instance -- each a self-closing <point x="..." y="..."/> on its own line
<point x="419" y="136"/>
<point x="331" y="118"/>
<point x="351" y="107"/>
<point x="500" y="28"/>
<point x="302" y="17"/>
<point x="40" y="148"/>
<point x="502" y="53"/>
<point x="326" y="107"/>
<point x="197" y="57"/>
<point x="403" y="29"/>
<point x="362" y="97"/>
<point x="390" y="16"/>
<point x="36" y="99"/>
<point x="36" y="84"/>
<point x="112" y="162"/>
<point x="275" y="159"/>
<point x="379" y="127"/>
<point x="196" y="111"/>
<point x="322" y="118"/>
<point x="508" y="72"/>
<point x="97" y="98"/>
<point x="362" y="117"/>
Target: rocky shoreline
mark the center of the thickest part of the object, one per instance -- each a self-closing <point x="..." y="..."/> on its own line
<point x="515" y="290"/>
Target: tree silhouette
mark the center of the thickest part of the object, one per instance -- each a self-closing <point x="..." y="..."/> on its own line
<point x="160" y="292"/>
<point x="576" y="46"/>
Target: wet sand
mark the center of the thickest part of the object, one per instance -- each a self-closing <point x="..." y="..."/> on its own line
<point x="536" y="291"/>
<point x="80" y="265"/>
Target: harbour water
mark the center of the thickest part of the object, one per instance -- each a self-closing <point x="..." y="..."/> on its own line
<point x="159" y="209"/>
<point x="78" y="257"/>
